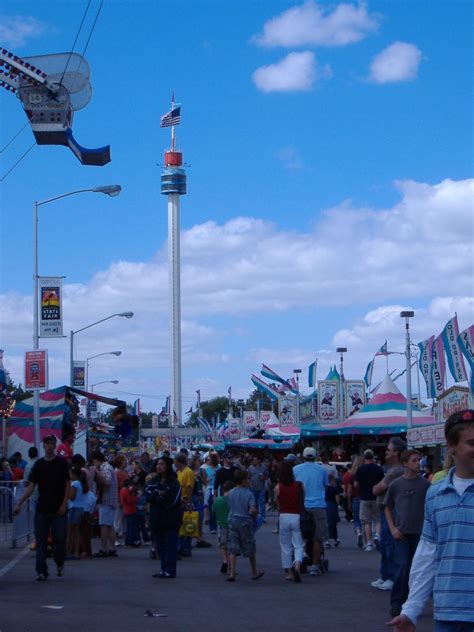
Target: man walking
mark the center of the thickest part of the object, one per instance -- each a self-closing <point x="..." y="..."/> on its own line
<point x="51" y="475"/>
<point x="315" y="480"/>
<point x="444" y="558"/>
<point x="368" y="475"/>
<point x="258" y="475"/>
<point x="386" y="544"/>
<point x="404" y="504"/>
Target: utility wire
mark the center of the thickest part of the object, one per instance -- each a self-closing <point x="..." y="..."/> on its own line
<point x="17" y="163"/>
<point x="14" y="137"/>
<point x="75" y="40"/>
<point x="93" y="27"/>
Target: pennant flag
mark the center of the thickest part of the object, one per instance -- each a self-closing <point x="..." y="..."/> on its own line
<point x="205" y="425"/>
<point x="438" y="367"/>
<point x="168" y="405"/>
<point x="136" y="408"/>
<point x="294" y="385"/>
<point x="222" y="427"/>
<point x="189" y="412"/>
<point x="264" y="387"/>
<point x="426" y="363"/>
<point x="368" y="373"/>
<point x="466" y="344"/>
<point x="453" y="352"/>
<point x="173" y="117"/>
<point x="267" y="372"/>
<point x="383" y="350"/>
<point x="198" y="392"/>
<point x="312" y="374"/>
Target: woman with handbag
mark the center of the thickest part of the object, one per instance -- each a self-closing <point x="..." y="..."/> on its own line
<point x="163" y="493"/>
<point x="289" y="496"/>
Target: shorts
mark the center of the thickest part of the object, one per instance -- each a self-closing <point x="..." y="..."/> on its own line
<point x="241" y="539"/>
<point x="74" y="515"/>
<point x="320" y="520"/>
<point x="223" y="537"/>
<point x="106" y="515"/>
<point x="369" y="511"/>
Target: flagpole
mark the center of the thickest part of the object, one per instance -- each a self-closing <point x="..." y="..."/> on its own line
<point x="173" y="134"/>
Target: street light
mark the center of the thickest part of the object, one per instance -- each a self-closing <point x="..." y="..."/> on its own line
<point x="73" y="333"/>
<point x="112" y="190"/>
<point x="115" y="353"/>
<point x="342" y="351"/>
<point x="407" y="315"/>
<point x="103" y="382"/>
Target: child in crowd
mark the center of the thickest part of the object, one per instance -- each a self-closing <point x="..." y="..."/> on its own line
<point x="332" y="510"/>
<point x="78" y="491"/>
<point x="242" y="510"/>
<point x="220" y="509"/>
<point x="142" y="529"/>
<point x="128" y="500"/>
<point x="85" y="528"/>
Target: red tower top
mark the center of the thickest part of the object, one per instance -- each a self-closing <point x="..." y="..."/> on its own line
<point x="173" y="158"/>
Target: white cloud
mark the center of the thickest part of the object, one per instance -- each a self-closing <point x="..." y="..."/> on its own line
<point x="18" y="29"/>
<point x="312" y="24"/>
<point x="290" y="158"/>
<point x="398" y="62"/>
<point x="294" y="73"/>
<point x="418" y="251"/>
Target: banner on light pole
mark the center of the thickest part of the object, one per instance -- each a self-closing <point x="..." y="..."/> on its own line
<point x="51" y="309"/>
<point x="36" y="369"/>
<point x="79" y="374"/>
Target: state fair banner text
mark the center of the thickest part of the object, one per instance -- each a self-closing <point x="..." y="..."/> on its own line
<point x="50" y="299"/>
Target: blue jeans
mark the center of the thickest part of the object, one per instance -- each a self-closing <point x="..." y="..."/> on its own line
<point x="404" y="553"/>
<point x="185" y="544"/>
<point x="260" y="496"/>
<point x="58" y="525"/>
<point x="142" y="528"/>
<point x="355" y="514"/>
<point x="167" y="543"/>
<point x="212" y="516"/>
<point x="454" y="626"/>
<point x="386" y="550"/>
<point x="133" y="535"/>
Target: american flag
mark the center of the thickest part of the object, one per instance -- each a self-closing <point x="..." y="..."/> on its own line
<point x="173" y="117"/>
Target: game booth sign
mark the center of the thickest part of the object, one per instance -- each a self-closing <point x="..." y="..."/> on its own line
<point x="451" y="401"/>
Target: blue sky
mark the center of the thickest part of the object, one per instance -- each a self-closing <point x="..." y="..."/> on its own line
<point x="330" y="152"/>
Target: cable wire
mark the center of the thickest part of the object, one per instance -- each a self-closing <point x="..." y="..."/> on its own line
<point x="14" y="137"/>
<point x="4" y="177"/>
<point x="93" y="27"/>
<point x="75" y="40"/>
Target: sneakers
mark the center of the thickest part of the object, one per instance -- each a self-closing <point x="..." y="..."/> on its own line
<point x="387" y="585"/>
<point x="360" y="540"/>
<point x="41" y="577"/>
<point x="327" y="544"/>
<point x="314" y="571"/>
<point x="369" y="547"/>
<point x="378" y="582"/>
<point x="60" y="570"/>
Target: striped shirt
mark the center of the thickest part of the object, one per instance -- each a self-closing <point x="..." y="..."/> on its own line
<point x="449" y="524"/>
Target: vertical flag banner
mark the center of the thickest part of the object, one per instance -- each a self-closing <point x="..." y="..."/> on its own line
<point x="79" y="374"/>
<point x="438" y="368"/>
<point x="198" y="403"/>
<point x="136" y="408"/>
<point x="466" y="344"/>
<point x="368" y="373"/>
<point x="50" y="300"/>
<point x="36" y="369"/>
<point x="328" y="400"/>
<point x="312" y="374"/>
<point x="453" y="352"/>
<point x="354" y="396"/>
<point x="426" y="363"/>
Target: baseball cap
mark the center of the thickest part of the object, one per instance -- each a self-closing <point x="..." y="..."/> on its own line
<point x="368" y="454"/>
<point x="290" y="458"/>
<point x="50" y="439"/>
<point x="309" y="453"/>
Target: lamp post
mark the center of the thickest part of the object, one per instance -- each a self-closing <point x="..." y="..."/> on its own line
<point x="73" y="333"/>
<point x="342" y="351"/>
<point x="103" y="382"/>
<point x="111" y="190"/>
<point x="115" y="353"/>
<point x="297" y="375"/>
<point x="407" y="315"/>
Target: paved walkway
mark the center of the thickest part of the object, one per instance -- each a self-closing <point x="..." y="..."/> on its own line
<point x="113" y="594"/>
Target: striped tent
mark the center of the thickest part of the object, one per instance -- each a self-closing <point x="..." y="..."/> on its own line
<point x="386" y="413"/>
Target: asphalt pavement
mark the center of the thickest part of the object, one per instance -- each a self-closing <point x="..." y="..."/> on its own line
<point x="115" y="593"/>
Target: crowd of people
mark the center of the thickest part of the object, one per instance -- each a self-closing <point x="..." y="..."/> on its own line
<point x="169" y="502"/>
